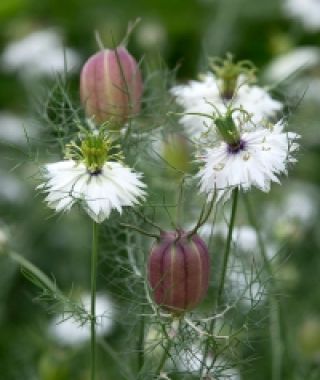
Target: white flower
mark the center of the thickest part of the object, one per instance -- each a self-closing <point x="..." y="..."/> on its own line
<point x="200" y="96"/>
<point x="257" y="160"/>
<point x="112" y="187"/>
<point x="306" y="11"/>
<point x="293" y="62"/>
<point x="39" y="53"/>
<point x="13" y="190"/>
<point x="297" y="211"/>
<point x="300" y="206"/>
<point x="70" y="331"/>
<point x="244" y="237"/>
<point x="15" y="129"/>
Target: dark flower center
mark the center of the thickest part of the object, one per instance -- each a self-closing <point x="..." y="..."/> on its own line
<point x="228" y="95"/>
<point x="237" y="147"/>
<point x="95" y="172"/>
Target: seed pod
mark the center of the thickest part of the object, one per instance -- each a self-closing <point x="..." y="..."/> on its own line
<point x="176" y="153"/>
<point x="178" y="271"/>
<point x="111" y="86"/>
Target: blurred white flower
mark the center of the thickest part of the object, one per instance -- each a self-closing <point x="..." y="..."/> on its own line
<point x="113" y="186"/>
<point x="200" y="96"/>
<point x="293" y="62"/>
<point x="306" y="11"/>
<point x="297" y="211"/>
<point x="3" y="238"/>
<point x="300" y="206"/>
<point x="299" y="69"/>
<point x="71" y="331"/>
<point x="39" y="53"/>
<point x="12" y="189"/>
<point x="244" y="237"/>
<point x="256" y="160"/>
<point x="311" y="86"/>
<point x="15" y="129"/>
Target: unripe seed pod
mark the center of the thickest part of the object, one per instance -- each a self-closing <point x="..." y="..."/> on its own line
<point x="176" y="153"/>
<point x="178" y="271"/>
<point x="111" y="86"/>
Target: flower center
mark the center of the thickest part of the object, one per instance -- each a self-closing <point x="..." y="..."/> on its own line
<point x="95" y="153"/>
<point x="229" y="72"/>
<point x="227" y="129"/>
<point x="96" y="172"/>
<point x="236" y="147"/>
<point x="93" y="150"/>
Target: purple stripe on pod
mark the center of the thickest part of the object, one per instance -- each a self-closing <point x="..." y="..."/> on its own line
<point x="178" y="271"/>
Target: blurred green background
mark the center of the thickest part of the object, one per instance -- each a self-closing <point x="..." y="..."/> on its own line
<point x="179" y="34"/>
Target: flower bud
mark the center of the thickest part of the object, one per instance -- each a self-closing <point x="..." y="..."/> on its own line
<point x="111" y="86"/>
<point x="178" y="271"/>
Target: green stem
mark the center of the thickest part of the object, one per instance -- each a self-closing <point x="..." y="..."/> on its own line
<point x="141" y="231"/>
<point x="224" y="271"/>
<point x="164" y="357"/>
<point x="179" y="209"/>
<point x="94" y="259"/>
<point x="140" y="344"/>
<point x="35" y="271"/>
<point x="176" y="324"/>
<point x="275" y="310"/>
<point x="228" y="246"/>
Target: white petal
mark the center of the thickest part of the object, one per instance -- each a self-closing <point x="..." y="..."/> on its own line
<point x="68" y="182"/>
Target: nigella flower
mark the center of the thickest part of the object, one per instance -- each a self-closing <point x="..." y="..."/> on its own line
<point x="94" y="177"/>
<point x="301" y="60"/>
<point x="245" y="156"/>
<point x="307" y="11"/>
<point x="230" y="84"/>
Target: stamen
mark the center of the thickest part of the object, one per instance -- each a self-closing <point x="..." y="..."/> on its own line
<point x="236" y="148"/>
<point x="95" y="172"/>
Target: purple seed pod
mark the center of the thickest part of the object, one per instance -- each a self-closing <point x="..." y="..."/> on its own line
<point x="111" y="86"/>
<point x="178" y="271"/>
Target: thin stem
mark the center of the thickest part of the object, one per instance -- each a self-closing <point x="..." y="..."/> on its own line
<point x="224" y="271"/>
<point x="99" y="40"/>
<point x="94" y="259"/>
<point x="179" y="204"/>
<point x="140" y="345"/>
<point x="35" y="271"/>
<point x="275" y="310"/>
<point x="204" y="217"/>
<point x="130" y="29"/>
<point x="253" y="222"/>
<point x="146" y="219"/>
<point x="175" y="327"/>
<point x="141" y="231"/>
<point x="228" y="246"/>
<point x="164" y="357"/>
<point x="126" y="372"/>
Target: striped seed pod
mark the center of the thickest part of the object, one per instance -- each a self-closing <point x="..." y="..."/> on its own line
<point x="178" y="271"/>
<point x="111" y="86"/>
